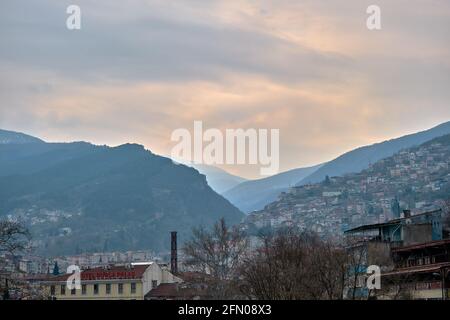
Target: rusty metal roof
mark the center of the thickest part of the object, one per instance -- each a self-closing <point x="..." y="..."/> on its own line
<point x="419" y="269"/>
<point x="428" y="244"/>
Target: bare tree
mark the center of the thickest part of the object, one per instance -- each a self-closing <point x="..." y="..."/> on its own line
<point x="14" y="238"/>
<point x="356" y="260"/>
<point x="397" y="286"/>
<point x="277" y="270"/>
<point x="293" y="265"/>
<point x="329" y="269"/>
<point x="218" y="253"/>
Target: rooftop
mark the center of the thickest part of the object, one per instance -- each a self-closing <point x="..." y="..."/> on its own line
<point x="389" y="223"/>
<point x="430" y="244"/>
<point x="108" y="273"/>
<point x="173" y="291"/>
<point x="436" y="267"/>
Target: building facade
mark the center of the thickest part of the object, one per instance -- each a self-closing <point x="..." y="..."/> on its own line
<point x="408" y="230"/>
<point x="422" y="271"/>
<point x="412" y="254"/>
<point x="120" y="282"/>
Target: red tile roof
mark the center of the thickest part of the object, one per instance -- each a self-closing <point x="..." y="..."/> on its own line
<point x="111" y="273"/>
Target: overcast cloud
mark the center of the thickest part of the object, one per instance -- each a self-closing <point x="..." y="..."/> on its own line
<point x="139" y="69"/>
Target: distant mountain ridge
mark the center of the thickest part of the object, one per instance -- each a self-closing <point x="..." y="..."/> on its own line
<point x="11" y="137"/>
<point x="255" y="194"/>
<point x="129" y="198"/>
<point x="78" y="197"/>
<point x="218" y="179"/>
<point x="360" y="158"/>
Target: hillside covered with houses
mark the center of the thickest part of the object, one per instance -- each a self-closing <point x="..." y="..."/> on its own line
<point x="417" y="178"/>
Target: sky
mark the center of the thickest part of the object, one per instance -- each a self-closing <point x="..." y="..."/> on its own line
<point x="137" y="70"/>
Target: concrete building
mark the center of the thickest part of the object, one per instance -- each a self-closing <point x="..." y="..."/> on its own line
<point x="408" y="230"/>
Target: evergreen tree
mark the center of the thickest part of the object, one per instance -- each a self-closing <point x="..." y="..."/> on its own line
<point x="396" y="210"/>
<point x="56" y="269"/>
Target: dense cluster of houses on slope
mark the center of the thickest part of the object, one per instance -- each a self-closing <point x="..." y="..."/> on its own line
<point x="418" y="179"/>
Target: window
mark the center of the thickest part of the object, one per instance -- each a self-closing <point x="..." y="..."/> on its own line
<point x="108" y="288"/>
<point x="83" y="289"/>
<point x="120" y="288"/>
<point x="73" y="292"/>
<point x="52" y="290"/>
<point x="133" y="287"/>
<point x="63" y="289"/>
<point x="95" y="288"/>
<point x="154" y="283"/>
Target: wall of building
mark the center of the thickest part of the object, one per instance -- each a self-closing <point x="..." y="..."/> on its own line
<point x="417" y="233"/>
<point x="153" y="276"/>
<point x="434" y="218"/>
<point x="432" y="294"/>
<point x="102" y="294"/>
<point x="392" y="233"/>
<point x="155" y="273"/>
<point x="379" y="253"/>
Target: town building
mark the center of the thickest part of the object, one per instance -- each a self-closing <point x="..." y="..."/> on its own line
<point x="411" y="252"/>
<point x="409" y="229"/>
<point x="116" y="282"/>
<point x="422" y="271"/>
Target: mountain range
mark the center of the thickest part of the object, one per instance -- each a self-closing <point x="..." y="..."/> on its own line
<point x="255" y="194"/>
<point x="11" y="137"/>
<point x="360" y="158"/>
<point x="219" y="180"/>
<point x="78" y="197"/>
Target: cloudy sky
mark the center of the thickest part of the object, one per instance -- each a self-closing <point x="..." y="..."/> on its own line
<point x="137" y="70"/>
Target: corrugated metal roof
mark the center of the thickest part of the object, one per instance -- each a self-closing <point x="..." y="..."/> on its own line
<point x="422" y="245"/>
<point x="390" y="222"/>
<point x="419" y="269"/>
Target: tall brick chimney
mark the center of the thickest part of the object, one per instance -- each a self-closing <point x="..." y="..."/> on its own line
<point x="173" y="253"/>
